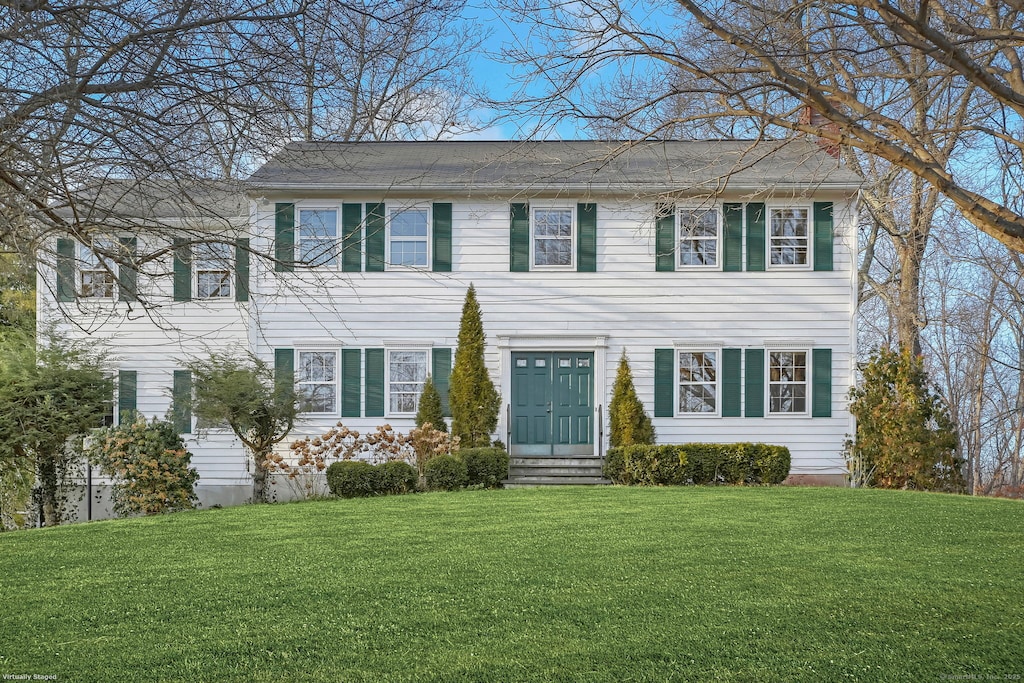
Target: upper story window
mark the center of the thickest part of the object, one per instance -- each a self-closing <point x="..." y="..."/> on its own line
<point x="789" y="236"/>
<point x="96" y="272"/>
<point x="213" y="270"/>
<point x="552" y="233"/>
<point x="407" y="373"/>
<point x="698" y="382"/>
<point x="318" y="237"/>
<point x="700" y="232"/>
<point x="787" y="382"/>
<point x="317" y="381"/>
<point x="408" y="233"/>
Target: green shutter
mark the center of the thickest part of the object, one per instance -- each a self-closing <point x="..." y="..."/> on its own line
<point x="664" y="383"/>
<point x="754" y="380"/>
<point x="442" y="236"/>
<point x="65" y="270"/>
<point x="732" y="247"/>
<point x="242" y="269"/>
<point x="351" y="382"/>
<point x="284" y="238"/>
<point x="755" y="236"/>
<point x="127" y="271"/>
<point x="374" y="382"/>
<point x="732" y="384"/>
<point x="351" y="238"/>
<point x="181" y="401"/>
<point x="374" y="237"/>
<point x="586" y="238"/>
<point x="182" y="270"/>
<point x="519" y="238"/>
<point x="441" y="370"/>
<point x="821" y="383"/>
<point x="284" y="369"/>
<point x="823" y="236"/>
<point x="127" y="395"/>
<point x="665" y="238"/>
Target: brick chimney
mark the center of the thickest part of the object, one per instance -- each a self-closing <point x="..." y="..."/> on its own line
<point x="811" y="117"/>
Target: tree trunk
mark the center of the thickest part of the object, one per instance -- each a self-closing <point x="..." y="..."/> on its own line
<point x="48" y="491"/>
<point x="259" y="476"/>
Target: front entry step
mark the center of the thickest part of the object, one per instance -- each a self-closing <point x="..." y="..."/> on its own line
<point x="555" y="471"/>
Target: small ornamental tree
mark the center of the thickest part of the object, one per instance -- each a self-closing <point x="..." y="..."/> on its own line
<point x="630" y="424"/>
<point x="472" y="397"/>
<point x="149" y="465"/>
<point x="240" y="392"/>
<point x="905" y="438"/>
<point x="430" y="409"/>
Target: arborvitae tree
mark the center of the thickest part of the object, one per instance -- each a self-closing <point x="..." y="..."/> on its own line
<point x="472" y="397"/>
<point x="905" y="438"/>
<point x="430" y="409"/>
<point x="630" y="423"/>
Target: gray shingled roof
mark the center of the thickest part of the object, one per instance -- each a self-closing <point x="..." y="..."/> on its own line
<point x="122" y="200"/>
<point x="651" y="167"/>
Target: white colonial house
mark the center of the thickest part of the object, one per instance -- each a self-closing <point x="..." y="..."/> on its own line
<point x="724" y="269"/>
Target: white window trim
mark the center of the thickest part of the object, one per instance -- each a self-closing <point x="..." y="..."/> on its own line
<point x="336" y="208"/>
<point x="337" y="377"/>
<point x="768" y="237"/>
<point x="230" y="267"/>
<point x="768" y="383"/>
<point x="413" y="205"/>
<point x="547" y="206"/>
<point x="387" y="376"/>
<point x="718" y="239"/>
<point x="114" y="271"/>
<point x="677" y="383"/>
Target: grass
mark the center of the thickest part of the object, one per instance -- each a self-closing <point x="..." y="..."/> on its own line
<point x="581" y="584"/>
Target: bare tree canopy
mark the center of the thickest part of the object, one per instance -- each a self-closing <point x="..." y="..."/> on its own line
<point x="746" y="66"/>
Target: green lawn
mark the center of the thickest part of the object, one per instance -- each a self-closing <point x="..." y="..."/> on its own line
<point x="589" y="584"/>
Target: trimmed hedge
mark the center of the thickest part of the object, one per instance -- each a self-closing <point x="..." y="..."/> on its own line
<point x="697" y="463"/>
<point x="353" y="479"/>
<point x="487" y="466"/>
<point x="397" y="477"/>
<point x="445" y="473"/>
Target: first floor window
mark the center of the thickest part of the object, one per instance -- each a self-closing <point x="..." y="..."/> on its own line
<point x="318" y="381"/>
<point x="788" y="237"/>
<point x="96" y="270"/>
<point x="698" y="237"/>
<point x="787" y="382"/>
<point x="407" y="373"/>
<point x="318" y="237"/>
<point x="698" y="382"/>
<point x="213" y="270"/>
<point x="408" y="237"/>
<point x="552" y="237"/>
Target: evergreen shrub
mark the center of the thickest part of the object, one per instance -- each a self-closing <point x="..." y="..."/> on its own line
<point x="486" y="467"/>
<point x="445" y="473"/>
<point x="697" y="463"/>
<point x="354" y="479"/>
<point x="397" y="477"/>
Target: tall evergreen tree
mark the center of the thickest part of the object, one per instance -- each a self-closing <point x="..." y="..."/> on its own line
<point x="430" y="409"/>
<point x="630" y="423"/>
<point x="473" y="399"/>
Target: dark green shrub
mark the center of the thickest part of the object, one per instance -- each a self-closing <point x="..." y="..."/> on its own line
<point x="771" y="463"/>
<point x="353" y="479"/>
<point x="397" y="477"/>
<point x="629" y="422"/>
<point x="698" y="463"/>
<point x="445" y="473"/>
<point x="646" y="465"/>
<point x="486" y="467"/>
<point x="615" y="466"/>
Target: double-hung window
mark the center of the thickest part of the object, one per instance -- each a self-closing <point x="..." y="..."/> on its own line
<point x="96" y="271"/>
<point x="552" y="237"/>
<point x="317" y="381"/>
<point x="318" y="237"/>
<point x="789" y="236"/>
<point x="787" y="382"/>
<point x="700" y="232"/>
<point x="698" y="382"/>
<point x="408" y="237"/>
<point x="407" y="373"/>
<point x="213" y="270"/>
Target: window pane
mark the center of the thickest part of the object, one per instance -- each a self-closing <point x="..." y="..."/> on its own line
<point x="553" y="252"/>
<point x="318" y="252"/>
<point x="409" y="223"/>
<point x="407" y="372"/>
<point x="213" y="284"/>
<point x="698" y="381"/>
<point x="318" y="223"/>
<point x="552" y="223"/>
<point x="316" y="366"/>
<point x="407" y="253"/>
<point x="787" y="377"/>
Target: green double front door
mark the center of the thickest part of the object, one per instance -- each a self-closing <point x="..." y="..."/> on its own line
<point x="552" y="403"/>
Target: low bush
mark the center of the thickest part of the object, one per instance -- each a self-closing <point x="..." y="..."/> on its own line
<point x="487" y="466"/>
<point x="445" y="473"/>
<point x="698" y="463"/>
<point x="397" y="477"/>
<point x="354" y="479"/>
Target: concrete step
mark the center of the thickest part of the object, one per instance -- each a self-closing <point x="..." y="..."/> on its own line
<point x="556" y="461"/>
<point x="528" y="470"/>
<point x="540" y="480"/>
